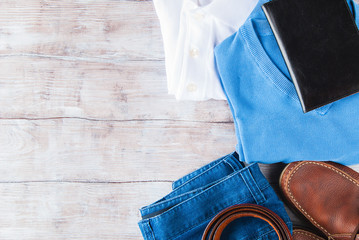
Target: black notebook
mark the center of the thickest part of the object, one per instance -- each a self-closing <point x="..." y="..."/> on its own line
<point x="319" y="41"/>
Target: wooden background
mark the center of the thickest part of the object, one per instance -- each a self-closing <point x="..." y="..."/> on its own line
<point x="88" y="132"/>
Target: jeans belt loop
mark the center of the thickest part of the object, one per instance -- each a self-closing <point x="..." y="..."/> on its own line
<point x="252" y="185"/>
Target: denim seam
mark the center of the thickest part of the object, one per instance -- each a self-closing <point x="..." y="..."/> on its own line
<point x="257" y="194"/>
<point x="156" y="204"/>
<point x="265" y="187"/>
<point x="146" y="226"/>
<point x="227" y="178"/>
<point x="171" y="200"/>
<point x="165" y="198"/>
<point x="200" y="171"/>
<point x="206" y="172"/>
<point x="191" y="175"/>
<point x="153" y="233"/>
<point x="176" y="208"/>
<point x="230" y="165"/>
<point x="193" y="193"/>
<point x="227" y="160"/>
<point x="201" y="174"/>
<point x="270" y="231"/>
<point x="168" y="201"/>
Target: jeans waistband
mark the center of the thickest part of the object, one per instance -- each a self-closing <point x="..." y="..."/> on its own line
<point x="192" y="183"/>
<point x="185" y="211"/>
<point x="232" y="159"/>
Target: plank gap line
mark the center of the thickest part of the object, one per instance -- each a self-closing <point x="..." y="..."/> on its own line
<point x="83" y="59"/>
<point x="117" y="120"/>
<point x="86" y="182"/>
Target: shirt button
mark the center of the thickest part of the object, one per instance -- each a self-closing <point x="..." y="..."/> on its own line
<point x="191" y="87"/>
<point x="194" y="52"/>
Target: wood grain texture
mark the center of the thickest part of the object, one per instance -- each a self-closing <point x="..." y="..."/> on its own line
<point x="74" y="211"/>
<point x="101" y="30"/>
<point x="108" y="151"/>
<point x="46" y="88"/>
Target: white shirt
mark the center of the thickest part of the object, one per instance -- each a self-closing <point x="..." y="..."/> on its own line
<point x="191" y="29"/>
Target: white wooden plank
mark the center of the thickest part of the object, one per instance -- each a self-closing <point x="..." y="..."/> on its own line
<point x="98" y="30"/>
<point x="45" y="88"/>
<point x="81" y="150"/>
<point x="70" y="211"/>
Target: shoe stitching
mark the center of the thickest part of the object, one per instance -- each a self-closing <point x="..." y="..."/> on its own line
<point x="296" y="202"/>
<point x="341" y="235"/>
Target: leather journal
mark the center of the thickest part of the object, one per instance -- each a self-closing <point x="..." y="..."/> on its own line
<point x="319" y="41"/>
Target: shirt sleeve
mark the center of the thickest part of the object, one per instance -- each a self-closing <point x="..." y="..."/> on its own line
<point x="168" y="12"/>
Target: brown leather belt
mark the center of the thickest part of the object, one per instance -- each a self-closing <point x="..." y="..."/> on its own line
<point x="215" y="228"/>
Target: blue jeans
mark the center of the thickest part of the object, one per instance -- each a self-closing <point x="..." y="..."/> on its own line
<point x="199" y="196"/>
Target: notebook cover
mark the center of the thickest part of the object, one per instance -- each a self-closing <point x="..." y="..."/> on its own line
<point x="319" y="41"/>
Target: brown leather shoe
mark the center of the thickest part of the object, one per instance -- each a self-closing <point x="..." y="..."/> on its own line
<point x="301" y="234"/>
<point x="327" y="194"/>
